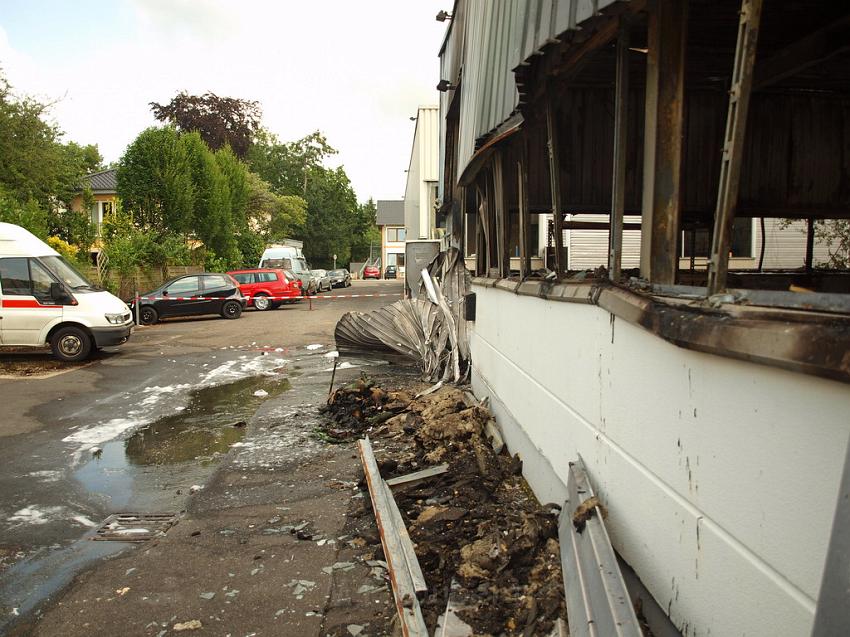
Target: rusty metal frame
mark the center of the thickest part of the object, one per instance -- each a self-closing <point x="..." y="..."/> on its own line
<point x="733" y="143"/>
<point x="618" y="187"/>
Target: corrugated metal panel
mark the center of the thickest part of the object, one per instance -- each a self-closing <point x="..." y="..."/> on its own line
<point x="588" y="249"/>
<point x="488" y="89"/>
<point x="497" y="37"/>
<point x="786" y="247"/>
<point x="428" y="130"/>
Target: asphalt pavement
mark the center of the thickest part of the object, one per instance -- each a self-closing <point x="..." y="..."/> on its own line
<point x="210" y="421"/>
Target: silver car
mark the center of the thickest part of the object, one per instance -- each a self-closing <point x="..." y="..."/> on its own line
<point x="323" y="281"/>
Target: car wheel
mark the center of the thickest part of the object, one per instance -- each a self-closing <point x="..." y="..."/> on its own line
<point x="148" y="315"/>
<point x="71" y="344"/>
<point x="231" y="310"/>
<point x="262" y="302"/>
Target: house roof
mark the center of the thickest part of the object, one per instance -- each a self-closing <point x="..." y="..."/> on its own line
<point x="390" y="213"/>
<point x="103" y="181"/>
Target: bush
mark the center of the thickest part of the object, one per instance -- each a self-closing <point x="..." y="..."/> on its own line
<point x="29" y="215"/>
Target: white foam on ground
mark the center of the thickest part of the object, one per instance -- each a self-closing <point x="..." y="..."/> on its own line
<point x="81" y="519"/>
<point x="343" y="365"/>
<point x="46" y="476"/>
<point x="32" y="514"/>
<point x="333" y="354"/>
<point x="315" y="346"/>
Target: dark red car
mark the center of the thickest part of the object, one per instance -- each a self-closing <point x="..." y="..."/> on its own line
<point x="371" y="272"/>
<point x="268" y="288"/>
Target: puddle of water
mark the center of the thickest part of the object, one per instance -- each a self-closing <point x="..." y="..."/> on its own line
<point x="212" y="421"/>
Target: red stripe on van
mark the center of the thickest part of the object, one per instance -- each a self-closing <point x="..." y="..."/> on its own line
<point x="24" y="303"/>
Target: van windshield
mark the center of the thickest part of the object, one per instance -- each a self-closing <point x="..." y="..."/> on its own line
<point x="66" y="273"/>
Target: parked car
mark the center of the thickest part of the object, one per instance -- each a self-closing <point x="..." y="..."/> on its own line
<point x="192" y="295"/>
<point x="267" y="288"/>
<point x="391" y="272"/>
<point x="45" y="301"/>
<point x="371" y="272"/>
<point x="340" y="278"/>
<point x="323" y="281"/>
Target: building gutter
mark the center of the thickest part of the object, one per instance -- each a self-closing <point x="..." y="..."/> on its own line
<point x="806" y="342"/>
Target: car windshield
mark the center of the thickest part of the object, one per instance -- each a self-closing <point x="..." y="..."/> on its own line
<point x="66" y="273"/>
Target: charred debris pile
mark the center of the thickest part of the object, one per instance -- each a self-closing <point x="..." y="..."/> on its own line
<point x="486" y="547"/>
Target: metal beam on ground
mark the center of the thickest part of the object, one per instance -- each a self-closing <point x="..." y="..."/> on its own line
<point x="832" y="616"/>
<point x="618" y="187"/>
<point x="663" y="139"/>
<point x="733" y="143"/>
<point x="598" y="603"/>
<point x="404" y="591"/>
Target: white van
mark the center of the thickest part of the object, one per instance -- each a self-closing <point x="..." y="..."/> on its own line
<point x="290" y="258"/>
<point x="44" y="300"/>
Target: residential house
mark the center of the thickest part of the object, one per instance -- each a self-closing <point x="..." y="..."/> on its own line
<point x="420" y="192"/>
<point x="390" y="220"/>
<point x="709" y="406"/>
<point x="104" y="189"/>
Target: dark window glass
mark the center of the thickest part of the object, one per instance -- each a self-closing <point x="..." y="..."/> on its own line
<point x="15" y="277"/>
<point x="245" y="278"/>
<point x="41" y="281"/>
<point x="742" y="240"/>
<point x="216" y="282"/>
<point x="184" y="287"/>
<point x="267" y="277"/>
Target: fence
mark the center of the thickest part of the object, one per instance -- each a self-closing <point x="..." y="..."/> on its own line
<point x="141" y="280"/>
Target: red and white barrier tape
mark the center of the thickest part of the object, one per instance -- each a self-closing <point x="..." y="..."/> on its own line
<point x="271" y="298"/>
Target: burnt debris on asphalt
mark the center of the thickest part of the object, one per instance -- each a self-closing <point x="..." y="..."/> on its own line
<point x="480" y="535"/>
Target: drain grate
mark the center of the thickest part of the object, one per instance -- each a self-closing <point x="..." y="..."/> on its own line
<point x="134" y="527"/>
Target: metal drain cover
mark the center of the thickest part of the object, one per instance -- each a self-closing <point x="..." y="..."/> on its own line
<point x="134" y="527"/>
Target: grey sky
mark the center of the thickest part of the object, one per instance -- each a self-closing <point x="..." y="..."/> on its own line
<point x="354" y="70"/>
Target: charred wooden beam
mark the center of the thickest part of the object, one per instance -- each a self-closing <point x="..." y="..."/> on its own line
<point x="663" y="139"/>
<point x="733" y="143"/>
<point x="618" y="187"/>
<point x="810" y="50"/>
<point x="502" y="220"/>
<point x="555" y="183"/>
<point x="522" y="191"/>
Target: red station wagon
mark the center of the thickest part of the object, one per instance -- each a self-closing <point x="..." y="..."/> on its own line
<point x="268" y="288"/>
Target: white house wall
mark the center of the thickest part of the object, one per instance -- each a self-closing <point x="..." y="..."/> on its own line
<point x="705" y="464"/>
<point x="785" y="246"/>
<point x="423" y="172"/>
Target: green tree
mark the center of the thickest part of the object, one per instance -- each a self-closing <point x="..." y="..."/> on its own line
<point x="28" y="215"/>
<point x="235" y="176"/>
<point x="287" y="166"/>
<point x="220" y="121"/>
<point x="155" y="181"/>
<point x="271" y="215"/>
<point x="365" y="231"/>
<point x="331" y="206"/>
<point x="211" y="216"/>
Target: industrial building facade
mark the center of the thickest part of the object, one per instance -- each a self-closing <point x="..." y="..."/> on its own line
<point x="702" y="378"/>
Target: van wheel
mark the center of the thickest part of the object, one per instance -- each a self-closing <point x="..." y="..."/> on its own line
<point x="231" y="310"/>
<point x="148" y="315"/>
<point x="261" y="302"/>
<point x="71" y="344"/>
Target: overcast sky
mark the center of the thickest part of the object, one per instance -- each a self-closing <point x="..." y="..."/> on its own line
<point x="354" y="69"/>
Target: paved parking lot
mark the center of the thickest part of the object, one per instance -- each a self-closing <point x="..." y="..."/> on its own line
<point x="139" y="426"/>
